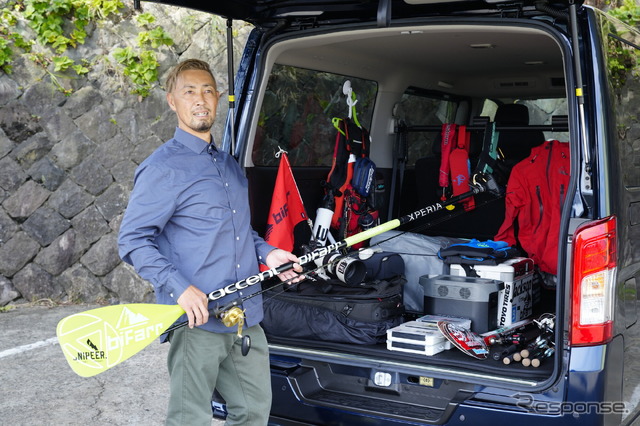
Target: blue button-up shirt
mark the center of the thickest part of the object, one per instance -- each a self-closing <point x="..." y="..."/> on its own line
<point x="188" y="222"/>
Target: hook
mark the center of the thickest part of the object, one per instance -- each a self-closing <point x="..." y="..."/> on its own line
<point x="336" y="123"/>
<point x="280" y="151"/>
<point x="351" y="101"/>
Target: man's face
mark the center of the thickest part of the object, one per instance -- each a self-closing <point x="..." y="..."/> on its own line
<point x="194" y="98"/>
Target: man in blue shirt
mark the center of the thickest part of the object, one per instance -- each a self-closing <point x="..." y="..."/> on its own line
<point x="187" y="231"/>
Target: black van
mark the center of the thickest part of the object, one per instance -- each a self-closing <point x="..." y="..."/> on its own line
<point x="516" y="73"/>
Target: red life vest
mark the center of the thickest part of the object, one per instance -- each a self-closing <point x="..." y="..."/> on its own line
<point x="352" y="144"/>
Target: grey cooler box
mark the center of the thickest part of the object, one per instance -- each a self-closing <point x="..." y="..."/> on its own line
<point x="467" y="297"/>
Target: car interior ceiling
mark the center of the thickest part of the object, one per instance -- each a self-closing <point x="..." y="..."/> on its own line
<point x="473" y="61"/>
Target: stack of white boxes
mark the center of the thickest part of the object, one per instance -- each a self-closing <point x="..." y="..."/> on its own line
<point x="521" y="288"/>
<point x="422" y="336"/>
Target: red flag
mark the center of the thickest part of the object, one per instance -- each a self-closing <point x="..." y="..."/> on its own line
<point x="287" y="209"/>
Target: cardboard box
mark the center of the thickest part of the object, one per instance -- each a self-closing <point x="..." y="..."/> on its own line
<point x="521" y="288"/>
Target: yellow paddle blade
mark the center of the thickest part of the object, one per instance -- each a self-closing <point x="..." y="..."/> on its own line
<point x="94" y="341"/>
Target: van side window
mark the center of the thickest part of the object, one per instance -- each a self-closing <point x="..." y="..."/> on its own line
<point x="296" y="115"/>
<point x="622" y="57"/>
<point x="421" y="109"/>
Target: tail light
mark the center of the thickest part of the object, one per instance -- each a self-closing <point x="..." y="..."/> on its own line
<point x="594" y="273"/>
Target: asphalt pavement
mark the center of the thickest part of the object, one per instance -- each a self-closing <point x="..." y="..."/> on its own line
<point x="37" y="386"/>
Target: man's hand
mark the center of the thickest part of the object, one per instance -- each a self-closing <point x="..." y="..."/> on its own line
<point x="278" y="257"/>
<point x="194" y="303"/>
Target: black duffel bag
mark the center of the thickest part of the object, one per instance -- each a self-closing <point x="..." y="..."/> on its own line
<point x="329" y="311"/>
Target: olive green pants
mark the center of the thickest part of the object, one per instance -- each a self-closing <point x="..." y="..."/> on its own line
<point x="200" y="361"/>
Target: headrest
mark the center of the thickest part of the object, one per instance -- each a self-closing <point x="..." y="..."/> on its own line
<point x="512" y="114"/>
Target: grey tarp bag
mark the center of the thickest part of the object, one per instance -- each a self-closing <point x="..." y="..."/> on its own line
<point x="420" y="255"/>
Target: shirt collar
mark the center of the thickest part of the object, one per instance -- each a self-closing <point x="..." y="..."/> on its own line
<point x="192" y="142"/>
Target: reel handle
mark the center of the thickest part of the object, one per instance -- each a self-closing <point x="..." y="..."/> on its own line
<point x="246" y="345"/>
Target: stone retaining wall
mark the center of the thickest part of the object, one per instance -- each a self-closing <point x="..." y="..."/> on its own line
<point x="67" y="162"/>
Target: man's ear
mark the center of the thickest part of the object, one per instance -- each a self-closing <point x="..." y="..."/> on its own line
<point x="172" y="105"/>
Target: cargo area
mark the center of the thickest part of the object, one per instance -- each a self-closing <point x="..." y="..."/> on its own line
<point x="411" y="80"/>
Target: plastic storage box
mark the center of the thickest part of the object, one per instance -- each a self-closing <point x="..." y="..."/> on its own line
<point x="417" y="337"/>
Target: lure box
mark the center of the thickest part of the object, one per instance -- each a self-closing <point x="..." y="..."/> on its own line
<point x="434" y="319"/>
<point x="461" y="296"/>
<point x="521" y="287"/>
<point x="417" y="337"/>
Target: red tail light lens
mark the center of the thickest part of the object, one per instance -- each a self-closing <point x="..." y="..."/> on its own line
<point x="594" y="273"/>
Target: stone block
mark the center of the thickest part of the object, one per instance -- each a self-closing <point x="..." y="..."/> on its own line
<point x="58" y="124"/>
<point x="85" y="99"/>
<point x="41" y="96"/>
<point x="34" y="283"/>
<point x="9" y="89"/>
<point x="8" y="292"/>
<point x="96" y="124"/>
<point x="113" y="201"/>
<point x="59" y="255"/>
<point x="71" y="150"/>
<point x="18" y="123"/>
<point x="69" y="199"/>
<point x="81" y="285"/>
<point x="8" y="227"/>
<point x="45" y="225"/>
<point x="128" y="285"/>
<point x="11" y="174"/>
<point x="123" y="173"/>
<point x="92" y="176"/>
<point x="103" y="256"/>
<point x="16" y="253"/>
<point x="47" y="173"/>
<point x="26" y="200"/>
<point x="32" y="150"/>
<point x="113" y="151"/>
<point x="90" y="224"/>
<point x="6" y="144"/>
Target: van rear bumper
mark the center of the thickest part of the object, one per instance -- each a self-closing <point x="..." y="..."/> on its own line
<point x="300" y="397"/>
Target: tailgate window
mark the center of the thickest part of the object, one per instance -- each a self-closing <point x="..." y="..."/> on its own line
<point x="296" y="115"/>
<point x="421" y="108"/>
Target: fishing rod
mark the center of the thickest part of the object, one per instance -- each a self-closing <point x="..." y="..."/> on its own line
<point x="96" y="340"/>
<point x="481" y="182"/>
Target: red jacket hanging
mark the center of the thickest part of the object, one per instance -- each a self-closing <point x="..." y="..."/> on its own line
<point x="536" y="191"/>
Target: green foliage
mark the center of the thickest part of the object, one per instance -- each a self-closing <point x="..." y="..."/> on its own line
<point x="59" y="25"/>
<point x="140" y="63"/>
<point x="629" y="12"/>
<point x="623" y="61"/>
<point x="140" y="66"/>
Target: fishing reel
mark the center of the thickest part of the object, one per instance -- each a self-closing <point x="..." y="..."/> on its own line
<point x="231" y="317"/>
<point x="349" y="270"/>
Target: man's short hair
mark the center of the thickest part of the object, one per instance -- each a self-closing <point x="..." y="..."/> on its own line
<point x="186" y="65"/>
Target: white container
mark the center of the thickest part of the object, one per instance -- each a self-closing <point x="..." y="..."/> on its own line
<point x="434" y="319"/>
<point x="416" y="332"/>
<point x="521" y="288"/>
<point x="417" y="337"/>
<point x="417" y="348"/>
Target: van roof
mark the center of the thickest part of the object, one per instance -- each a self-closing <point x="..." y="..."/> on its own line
<point x="267" y="13"/>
